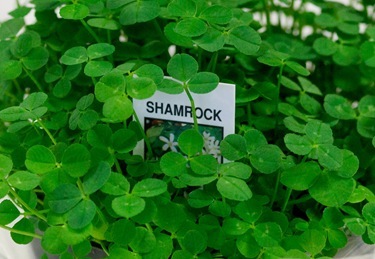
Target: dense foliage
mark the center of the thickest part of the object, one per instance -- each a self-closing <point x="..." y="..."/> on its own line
<point x="300" y="171"/>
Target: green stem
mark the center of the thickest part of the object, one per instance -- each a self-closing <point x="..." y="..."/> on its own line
<point x="278" y="98"/>
<point x="212" y="65"/>
<point x="32" y="77"/>
<point x="276" y="189"/>
<point x="48" y="132"/>
<point x="20" y="232"/>
<point x="90" y="30"/>
<point x="104" y="248"/>
<point x="25" y="205"/>
<point x="248" y="112"/>
<point x="117" y="164"/>
<point x="268" y="16"/>
<point x="301" y="200"/>
<point x="286" y="200"/>
<point x="150" y="154"/>
<point x="192" y="103"/>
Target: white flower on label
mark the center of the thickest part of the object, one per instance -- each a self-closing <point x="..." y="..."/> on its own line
<point x="169" y="143"/>
<point x="211" y="145"/>
<point x="215" y="148"/>
<point x="207" y="137"/>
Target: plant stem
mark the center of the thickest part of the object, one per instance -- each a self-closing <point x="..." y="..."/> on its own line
<point x="212" y="65"/>
<point x="117" y="164"/>
<point x="90" y="30"/>
<point x="278" y="98"/>
<point x="286" y="200"/>
<point x="20" y="232"/>
<point x="48" y="132"/>
<point x="301" y="200"/>
<point x="29" y="74"/>
<point x="192" y="103"/>
<point x="268" y="16"/>
<point x="150" y="154"/>
<point x="25" y="205"/>
<point x="276" y="189"/>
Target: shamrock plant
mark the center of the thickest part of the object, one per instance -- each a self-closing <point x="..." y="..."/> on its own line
<point x="296" y="180"/>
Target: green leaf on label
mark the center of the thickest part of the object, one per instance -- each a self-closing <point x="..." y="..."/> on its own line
<point x="99" y="50"/>
<point x="8" y="212"/>
<point x="204" y="165"/>
<point x="203" y="82"/>
<point x="76" y="160"/>
<point x="82" y="214"/>
<point x="245" y="39"/>
<point x="267" y="158"/>
<point x="173" y="164"/>
<point x="302" y="176"/>
<point x="128" y="205"/>
<point x="40" y="159"/>
<point x="24" y="180"/>
<point x="338" y="107"/>
<point x="235" y="169"/>
<point x="118" y="108"/>
<point x="6" y="165"/>
<point x="96" y="178"/>
<point x="332" y="190"/>
<point x="233" y="188"/>
<point x="190" y="142"/>
<point x="117" y="185"/>
<point x="139" y="11"/>
<point x="182" y="67"/>
<point x="268" y="234"/>
<point x="191" y="27"/>
<point x="193" y="241"/>
<point x="141" y="87"/>
<point x="233" y="147"/>
<point x="149" y="187"/>
<point x="74" y="56"/>
<point x="110" y="85"/>
<point x="64" y="198"/>
<point x="36" y="58"/>
<point x="74" y="11"/>
<point x="97" y="68"/>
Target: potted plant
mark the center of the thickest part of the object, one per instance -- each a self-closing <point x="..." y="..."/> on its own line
<point x="299" y="172"/>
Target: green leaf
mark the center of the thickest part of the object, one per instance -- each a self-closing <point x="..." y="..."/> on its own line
<point x="337" y="238"/>
<point x="199" y="199"/>
<point x="53" y="73"/>
<point x="117" y="184"/>
<point x="296" y="67"/>
<point x="11" y="27"/>
<point x="117" y="230"/>
<point x="149" y="187"/>
<point x="96" y="178"/>
<point x="82" y="214"/>
<point x="62" y="88"/>
<point x="338" y="107"/>
<point x="292" y="124"/>
<point x="88" y="119"/>
<point x="8" y="212"/>
<point x="124" y="140"/>
<point x="368" y="53"/>
<point x="310" y="104"/>
<point x="25" y="225"/>
<point x="235" y="227"/>
<point x="64" y="198"/>
<point x="324" y="46"/>
<point x="368" y="212"/>
<point x="233" y="147"/>
<point x="212" y="40"/>
<point x="162" y="249"/>
<point x="288" y="83"/>
<point x="74" y="56"/>
<point x="151" y="71"/>
<point x="104" y="23"/>
<point x="332" y="190"/>
<point x="247" y="245"/>
<point x="171" y="87"/>
<point x="250" y="210"/>
<point x="365" y="126"/>
<point x="141" y="87"/>
<point x="233" y="188"/>
<point x="220" y="209"/>
<point x="22" y="46"/>
<point x="325" y="20"/>
<point x="183" y="8"/>
<point x="36" y="58"/>
<point x="175" y="38"/>
<point x="366" y="106"/>
<point x="356" y="225"/>
<point x="270" y="59"/>
<point x="144" y="241"/>
<point x="302" y="176"/>
<point x="34" y="100"/>
<point x="329" y="156"/>
<point x="76" y="160"/>
<point x="235" y="169"/>
<point x="13" y="113"/>
<point x="10" y="69"/>
<point x="191" y="27"/>
<point x="190" y="142"/>
<point x="24" y="180"/>
<point x="313" y="241"/>
<point x="173" y="164"/>
<point x="245" y="39"/>
<point x="203" y="82"/>
<point x="128" y="205"/>
<point x="170" y="216"/>
<point x="193" y="241"/>
<point x="110" y="85"/>
<point x="99" y="50"/>
<point x="40" y="159"/>
<point x="52" y="241"/>
<point x="267" y="158"/>
<point x="193" y="179"/>
<point x="182" y="67"/>
<point x="319" y="132"/>
<point x="139" y="11"/>
<point x="6" y="165"/>
<point x="350" y="164"/>
<point x="216" y="14"/>
<point x="97" y="68"/>
<point x="74" y="11"/>
<point x="118" y="108"/>
<point x="346" y="55"/>
<point x="254" y="138"/>
<point x="204" y="165"/>
<point x="268" y="234"/>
